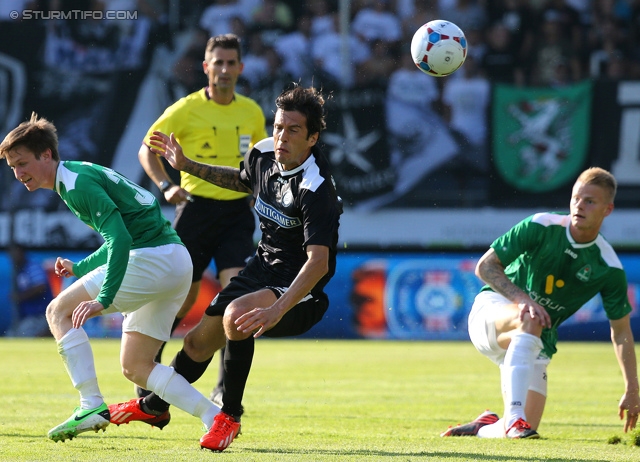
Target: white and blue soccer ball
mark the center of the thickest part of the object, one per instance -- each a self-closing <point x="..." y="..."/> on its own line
<point x="439" y="48"/>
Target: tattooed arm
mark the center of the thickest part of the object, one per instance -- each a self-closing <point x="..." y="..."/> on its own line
<point x="491" y="270"/>
<point x="169" y="148"/>
<point x="225" y="177"/>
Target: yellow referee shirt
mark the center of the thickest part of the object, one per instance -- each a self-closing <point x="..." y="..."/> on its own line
<point x="212" y="133"/>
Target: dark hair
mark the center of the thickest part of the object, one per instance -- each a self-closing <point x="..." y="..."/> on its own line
<point x="37" y="135"/>
<point x="226" y="41"/>
<point x="308" y="102"/>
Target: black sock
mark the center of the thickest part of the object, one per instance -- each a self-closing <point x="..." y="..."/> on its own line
<point x="187" y="367"/>
<point x="148" y="410"/>
<point x="237" y="365"/>
<point x="153" y="404"/>
<point x="183" y="365"/>
<point x="220" y="383"/>
<point x="176" y="323"/>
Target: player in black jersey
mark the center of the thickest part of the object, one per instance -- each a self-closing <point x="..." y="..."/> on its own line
<point x="280" y="291"/>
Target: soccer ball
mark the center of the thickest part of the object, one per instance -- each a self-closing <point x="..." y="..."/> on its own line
<point x="439" y="48"/>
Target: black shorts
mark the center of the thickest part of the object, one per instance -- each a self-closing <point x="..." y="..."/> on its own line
<point x="296" y="321"/>
<point x="218" y="230"/>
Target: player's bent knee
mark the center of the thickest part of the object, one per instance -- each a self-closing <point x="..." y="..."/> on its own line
<point x="128" y="374"/>
<point x="50" y="312"/>
<point x="136" y="373"/>
<point x="197" y="348"/>
<point x="191" y="345"/>
<point x="57" y="310"/>
<point x="531" y="326"/>
<point x="231" y="313"/>
<point x="231" y="329"/>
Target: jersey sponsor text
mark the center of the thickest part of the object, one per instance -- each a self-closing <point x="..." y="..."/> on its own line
<point x="270" y="213"/>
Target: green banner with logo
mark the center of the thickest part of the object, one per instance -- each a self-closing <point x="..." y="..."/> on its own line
<point x="540" y="135"/>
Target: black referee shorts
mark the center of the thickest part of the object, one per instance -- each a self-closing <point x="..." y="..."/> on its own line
<point x="218" y="230"/>
<point x="296" y="321"/>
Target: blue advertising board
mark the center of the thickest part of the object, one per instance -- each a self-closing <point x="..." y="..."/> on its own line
<point x="428" y="296"/>
<point x="382" y="295"/>
<point x="400" y="296"/>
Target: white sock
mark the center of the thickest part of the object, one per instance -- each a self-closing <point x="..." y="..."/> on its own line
<point x="175" y="390"/>
<point x="495" y="430"/>
<point x="516" y="374"/>
<point x="77" y="356"/>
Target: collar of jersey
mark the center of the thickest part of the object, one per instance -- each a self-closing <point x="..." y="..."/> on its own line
<point x="58" y="177"/>
<point x="573" y="243"/>
<point x="299" y="168"/>
<point x="206" y="95"/>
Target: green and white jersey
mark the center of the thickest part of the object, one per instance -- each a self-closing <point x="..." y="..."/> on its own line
<point x="561" y="275"/>
<point x="126" y="215"/>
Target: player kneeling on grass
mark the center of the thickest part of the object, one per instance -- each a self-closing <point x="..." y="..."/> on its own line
<point x="142" y="270"/>
<point x="280" y="293"/>
<point x="538" y="274"/>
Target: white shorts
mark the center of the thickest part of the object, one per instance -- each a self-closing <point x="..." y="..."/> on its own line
<point x="482" y="331"/>
<point x="153" y="289"/>
<point x="482" y="326"/>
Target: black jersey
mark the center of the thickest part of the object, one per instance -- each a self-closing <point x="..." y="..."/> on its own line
<point x="296" y="208"/>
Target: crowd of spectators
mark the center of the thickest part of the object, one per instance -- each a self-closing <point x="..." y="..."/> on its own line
<point x="548" y="43"/>
<point x="520" y="42"/>
<point x="523" y="42"/>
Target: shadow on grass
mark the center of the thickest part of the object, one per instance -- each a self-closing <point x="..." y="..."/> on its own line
<point x="387" y="454"/>
<point x="117" y="446"/>
<point x="91" y="435"/>
<point x="590" y="425"/>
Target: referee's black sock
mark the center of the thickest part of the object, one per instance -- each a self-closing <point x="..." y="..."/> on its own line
<point x="237" y="365"/>
<point x="176" y="323"/>
<point x="220" y="382"/>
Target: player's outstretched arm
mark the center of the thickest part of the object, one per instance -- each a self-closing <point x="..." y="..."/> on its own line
<point x="158" y="174"/>
<point x="168" y="147"/>
<point x="623" y="344"/>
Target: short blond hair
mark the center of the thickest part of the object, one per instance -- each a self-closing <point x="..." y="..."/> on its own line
<point x="600" y="177"/>
<point x="37" y="135"/>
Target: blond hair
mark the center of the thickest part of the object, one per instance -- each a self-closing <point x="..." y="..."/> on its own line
<point x="600" y="177"/>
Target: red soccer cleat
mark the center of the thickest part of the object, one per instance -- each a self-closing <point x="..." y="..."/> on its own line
<point x="471" y="429"/>
<point x="221" y="434"/>
<point x="131" y="411"/>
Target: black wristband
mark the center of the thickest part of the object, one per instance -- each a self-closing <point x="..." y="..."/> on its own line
<point x="164" y="185"/>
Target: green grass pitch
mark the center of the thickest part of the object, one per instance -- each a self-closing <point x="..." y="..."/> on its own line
<point x="324" y="400"/>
